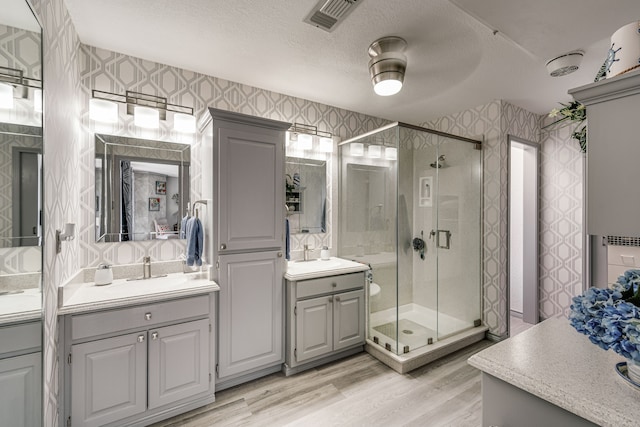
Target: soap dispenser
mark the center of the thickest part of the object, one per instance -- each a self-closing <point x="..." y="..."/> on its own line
<point x="325" y="254"/>
<point x="104" y="275"/>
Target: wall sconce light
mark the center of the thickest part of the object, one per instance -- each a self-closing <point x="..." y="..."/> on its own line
<point x="102" y="110"/>
<point x="147" y="110"/>
<point x="387" y="65"/>
<point x="391" y="153"/>
<point x="13" y="84"/>
<point x="374" y="151"/>
<point x="67" y="235"/>
<point x="325" y="145"/>
<point x="184" y="123"/>
<point x="6" y="96"/>
<point x="37" y="100"/>
<point x="146" y="117"/>
<point x="301" y="137"/>
<point x="356" y="149"/>
<point x="305" y="142"/>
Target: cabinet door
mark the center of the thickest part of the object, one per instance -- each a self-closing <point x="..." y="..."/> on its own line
<point x="178" y="362"/>
<point x="108" y="379"/>
<point x="314" y="334"/>
<point x="251" y="189"/>
<point x="20" y="391"/>
<point x="348" y="319"/>
<point x="251" y="316"/>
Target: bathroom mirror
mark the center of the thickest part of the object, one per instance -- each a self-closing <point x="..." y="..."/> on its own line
<point x="366" y="206"/>
<point x="21" y="201"/>
<point x="306" y="195"/>
<point x="141" y="188"/>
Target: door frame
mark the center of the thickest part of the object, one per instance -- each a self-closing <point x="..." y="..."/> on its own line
<point x="531" y="244"/>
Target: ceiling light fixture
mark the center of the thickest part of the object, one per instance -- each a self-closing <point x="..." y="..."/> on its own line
<point x="154" y="108"/>
<point x="387" y="65"/>
<point x="565" y="64"/>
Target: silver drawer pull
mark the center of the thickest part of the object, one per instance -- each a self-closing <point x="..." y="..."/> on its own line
<point x="140" y="338"/>
<point x="223" y="246"/>
<point x="338" y="299"/>
<point x="154" y="336"/>
<point x="147" y="316"/>
<point x="334" y="285"/>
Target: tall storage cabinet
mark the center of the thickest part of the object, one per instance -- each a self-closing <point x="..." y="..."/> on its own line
<point x="613" y="194"/>
<point x="246" y="186"/>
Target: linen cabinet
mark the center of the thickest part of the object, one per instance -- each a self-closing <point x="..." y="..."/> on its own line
<point x="244" y="160"/>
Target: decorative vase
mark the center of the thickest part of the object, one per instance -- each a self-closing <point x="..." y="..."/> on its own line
<point x="633" y="371"/>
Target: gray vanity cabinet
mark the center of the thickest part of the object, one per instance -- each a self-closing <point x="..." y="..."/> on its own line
<point x="251" y="320"/>
<point x="20" y="375"/>
<point x="137" y="365"/>
<point x="325" y="320"/>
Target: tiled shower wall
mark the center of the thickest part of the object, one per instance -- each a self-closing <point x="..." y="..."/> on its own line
<point x="115" y="72"/>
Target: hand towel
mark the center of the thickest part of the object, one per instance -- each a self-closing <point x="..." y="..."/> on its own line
<point x="195" y="247"/>
<point x="183" y="226"/>
<point x="288" y="237"/>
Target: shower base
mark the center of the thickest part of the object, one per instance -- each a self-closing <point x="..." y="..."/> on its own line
<point x="416" y="325"/>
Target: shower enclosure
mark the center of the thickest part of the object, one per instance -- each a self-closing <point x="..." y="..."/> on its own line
<point x="410" y="207"/>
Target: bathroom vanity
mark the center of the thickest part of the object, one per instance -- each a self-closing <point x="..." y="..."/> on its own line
<point x="325" y="309"/>
<point x="136" y="352"/>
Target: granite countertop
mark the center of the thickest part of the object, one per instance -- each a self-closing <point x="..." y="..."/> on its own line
<point x="556" y="363"/>
<point x="87" y="296"/>
<point x="304" y="270"/>
<point x="21" y="307"/>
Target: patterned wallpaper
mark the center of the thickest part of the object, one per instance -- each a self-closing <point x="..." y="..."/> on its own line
<point x="561" y="221"/>
<point x="61" y="164"/>
<point x="115" y="72"/>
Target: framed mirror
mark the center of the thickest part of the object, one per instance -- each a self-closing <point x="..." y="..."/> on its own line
<point x="21" y="202"/>
<point x="306" y="195"/>
<point x="141" y="188"/>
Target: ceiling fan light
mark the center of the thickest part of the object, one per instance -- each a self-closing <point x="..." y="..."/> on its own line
<point x="387" y="65"/>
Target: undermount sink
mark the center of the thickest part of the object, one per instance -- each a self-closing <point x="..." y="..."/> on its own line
<point x="297" y="270"/>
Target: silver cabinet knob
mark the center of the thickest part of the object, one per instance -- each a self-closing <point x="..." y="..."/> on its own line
<point x="147" y="316"/>
<point x="331" y="299"/>
<point x="338" y="299"/>
<point x="140" y="338"/>
<point x="154" y="336"/>
<point x="279" y="254"/>
<point x="334" y="285"/>
<point x="223" y="246"/>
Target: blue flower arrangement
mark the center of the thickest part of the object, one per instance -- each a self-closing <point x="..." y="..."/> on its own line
<point x="611" y="317"/>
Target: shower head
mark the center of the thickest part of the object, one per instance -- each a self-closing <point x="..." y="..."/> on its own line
<point x="438" y="163"/>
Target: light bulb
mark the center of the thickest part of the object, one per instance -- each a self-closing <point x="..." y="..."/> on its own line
<point x="146" y="117"/>
<point x="387" y="87"/>
<point x="374" y="151"/>
<point x="391" y="153"/>
<point x="326" y="145"/>
<point x="6" y="96"/>
<point x="305" y="142"/>
<point x="185" y="123"/>
<point x="37" y="100"/>
<point x="102" y="110"/>
<point x="356" y="149"/>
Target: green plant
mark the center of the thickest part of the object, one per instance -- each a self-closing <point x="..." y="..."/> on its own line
<point x="574" y="112"/>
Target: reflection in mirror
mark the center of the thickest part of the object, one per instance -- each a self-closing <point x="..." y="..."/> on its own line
<point x="21" y="149"/>
<point x="367" y="190"/>
<point x="306" y="195"/>
<point x="142" y="188"/>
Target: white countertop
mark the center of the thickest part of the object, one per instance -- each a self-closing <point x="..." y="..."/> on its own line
<point x="303" y="270"/>
<point x="20" y="307"/>
<point x="83" y="297"/>
<point x="556" y="363"/>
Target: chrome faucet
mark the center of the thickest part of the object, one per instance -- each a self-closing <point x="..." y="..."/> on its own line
<point x="307" y="250"/>
<point x="146" y="267"/>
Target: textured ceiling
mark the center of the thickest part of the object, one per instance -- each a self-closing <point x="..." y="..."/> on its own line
<point x="16" y="13"/>
<point x="455" y="61"/>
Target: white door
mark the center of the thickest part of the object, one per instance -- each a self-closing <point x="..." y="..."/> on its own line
<point x="178" y="362"/>
<point x="314" y="333"/>
<point x="348" y="319"/>
<point x="251" y="189"/>
<point x="108" y="379"/>
<point x="251" y="312"/>
<point x="21" y="391"/>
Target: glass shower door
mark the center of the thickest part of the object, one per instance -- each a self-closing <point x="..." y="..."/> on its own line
<point x="457" y="236"/>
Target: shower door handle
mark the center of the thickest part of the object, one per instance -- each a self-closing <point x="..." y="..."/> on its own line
<point x="447" y="239"/>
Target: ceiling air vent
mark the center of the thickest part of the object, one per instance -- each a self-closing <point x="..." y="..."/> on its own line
<point x="328" y="13"/>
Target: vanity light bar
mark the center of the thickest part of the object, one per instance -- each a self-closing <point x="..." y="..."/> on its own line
<point x="16" y="77"/>
<point x="310" y="130"/>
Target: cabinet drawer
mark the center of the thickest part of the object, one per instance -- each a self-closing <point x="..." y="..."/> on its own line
<point x="143" y="316"/>
<point x="323" y="285"/>
<point x="20" y="337"/>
